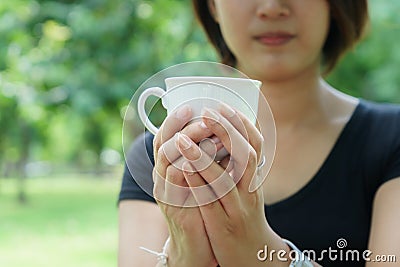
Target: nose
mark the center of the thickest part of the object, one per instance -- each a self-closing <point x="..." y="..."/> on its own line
<point x="272" y="9"/>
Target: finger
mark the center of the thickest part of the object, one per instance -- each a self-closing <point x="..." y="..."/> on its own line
<point x="197" y="131"/>
<point x="201" y="191"/>
<point x="227" y="164"/>
<point x="166" y="155"/>
<point x="212" y="210"/>
<point x="169" y="154"/>
<point x="170" y="190"/>
<point x="232" y="116"/>
<point x="242" y="153"/>
<point x="159" y="186"/>
<point x="190" y="202"/>
<point x="207" y="146"/>
<point x="214" y="175"/>
<point x="221" y="151"/>
<point x="255" y="139"/>
<point x="244" y="126"/>
<point x="172" y="124"/>
<point x="176" y="188"/>
<point x="162" y="200"/>
<point x="176" y="122"/>
<point x="216" y="140"/>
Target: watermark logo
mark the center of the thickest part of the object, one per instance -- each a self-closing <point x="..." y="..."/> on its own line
<point x="338" y="253"/>
<point x="341" y="243"/>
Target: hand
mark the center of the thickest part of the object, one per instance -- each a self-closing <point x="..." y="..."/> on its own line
<point x="189" y="242"/>
<point x="235" y="223"/>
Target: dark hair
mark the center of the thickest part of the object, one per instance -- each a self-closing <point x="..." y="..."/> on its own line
<point x="348" y="22"/>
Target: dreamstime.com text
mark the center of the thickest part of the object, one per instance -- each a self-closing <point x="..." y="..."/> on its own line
<point x="333" y="254"/>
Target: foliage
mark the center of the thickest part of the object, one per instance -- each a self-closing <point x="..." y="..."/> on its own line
<point x="68" y="69"/>
<point x="370" y="71"/>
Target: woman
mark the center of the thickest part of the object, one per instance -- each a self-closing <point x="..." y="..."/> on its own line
<point x="333" y="186"/>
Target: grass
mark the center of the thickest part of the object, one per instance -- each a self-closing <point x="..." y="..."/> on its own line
<point x="70" y="221"/>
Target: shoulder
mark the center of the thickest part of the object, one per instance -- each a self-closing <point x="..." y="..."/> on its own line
<point x="137" y="182"/>
<point x="380" y="138"/>
<point x="378" y="120"/>
<point x="141" y="150"/>
<point x="140" y="161"/>
<point x="376" y="124"/>
<point x="388" y="112"/>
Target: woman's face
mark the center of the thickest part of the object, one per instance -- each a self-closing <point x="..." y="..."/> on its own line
<point x="274" y="40"/>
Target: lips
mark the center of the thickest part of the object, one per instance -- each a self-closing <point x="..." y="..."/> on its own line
<point x="274" y="38"/>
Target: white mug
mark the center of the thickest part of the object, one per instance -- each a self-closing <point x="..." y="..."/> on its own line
<point x="202" y="91"/>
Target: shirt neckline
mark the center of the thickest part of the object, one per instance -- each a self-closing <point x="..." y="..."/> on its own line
<point x="317" y="176"/>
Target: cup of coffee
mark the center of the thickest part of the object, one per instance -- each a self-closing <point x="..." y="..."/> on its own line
<point x="201" y="91"/>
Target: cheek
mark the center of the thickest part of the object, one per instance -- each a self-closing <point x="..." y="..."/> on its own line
<point x="323" y="23"/>
<point x="315" y="34"/>
<point x="233" y="23"/>
<point x="233" y="34"/>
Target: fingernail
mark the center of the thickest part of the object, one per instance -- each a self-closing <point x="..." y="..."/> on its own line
<point x="227" y="110"/>
<point x="216" y="140"/>
<point x="203" y="125"/>
<point x="184" y="141"/>
<point x="210" y="115"/>
<point x="183" y="112"/>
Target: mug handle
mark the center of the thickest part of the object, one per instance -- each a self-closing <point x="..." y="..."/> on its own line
<point x="155" y="91"/>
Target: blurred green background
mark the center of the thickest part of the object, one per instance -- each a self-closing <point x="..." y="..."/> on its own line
<point x="67" y="72"/>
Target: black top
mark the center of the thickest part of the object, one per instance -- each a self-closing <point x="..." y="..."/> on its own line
<point x="336" y="203"/>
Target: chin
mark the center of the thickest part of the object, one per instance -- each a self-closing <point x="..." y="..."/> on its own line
<point x="274" y="73"/>
<point x="279" y="71"/>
